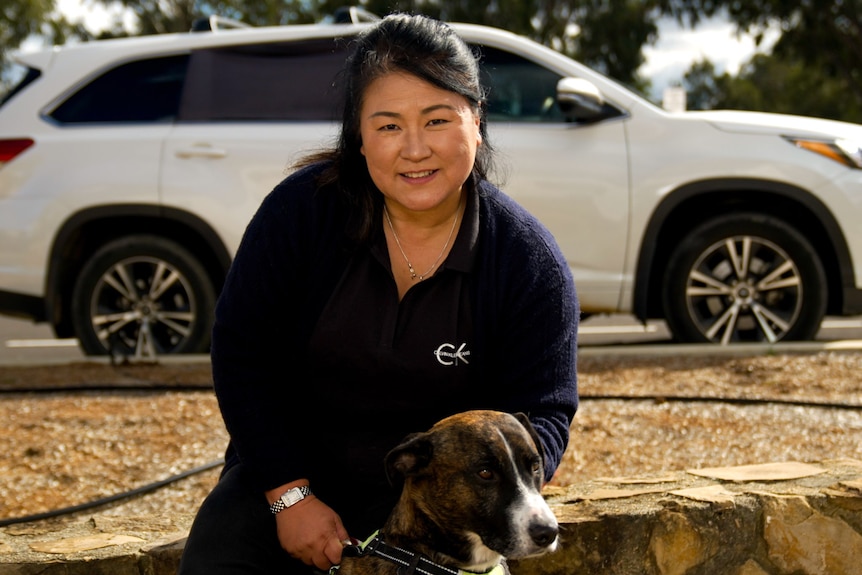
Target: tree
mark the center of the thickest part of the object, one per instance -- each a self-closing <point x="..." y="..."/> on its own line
<point x="819" y="53"/>
<point x="826" y="34"/>
<point x="607" y="35"/>
<point x="704" y="89"/>
<point x="21" y="19"/>
<point x="166" y="16"/>
<point x="771" y="84"/>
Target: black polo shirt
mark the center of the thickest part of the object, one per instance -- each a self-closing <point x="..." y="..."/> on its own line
<point x="389" y="368"/>
<point x="413" y="355"/>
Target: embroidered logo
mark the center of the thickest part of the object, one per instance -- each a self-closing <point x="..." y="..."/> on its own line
<point x="447" y="354"/>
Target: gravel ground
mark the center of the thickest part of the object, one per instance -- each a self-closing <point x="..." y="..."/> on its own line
<point x="66" y="448"/>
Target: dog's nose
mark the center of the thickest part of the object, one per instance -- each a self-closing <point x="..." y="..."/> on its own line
<point x="543" y="534"/>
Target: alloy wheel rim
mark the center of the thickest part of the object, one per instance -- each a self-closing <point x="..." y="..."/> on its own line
<point x="744" y="289"/>
<point x="143" y="307"/>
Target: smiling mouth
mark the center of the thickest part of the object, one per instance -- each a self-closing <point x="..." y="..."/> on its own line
<point x="417" y="175"/>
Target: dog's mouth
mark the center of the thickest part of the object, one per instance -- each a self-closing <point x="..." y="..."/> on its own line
<point x="485" y="556"/>
<point x="532" y="550"/>
<point x="550" y="548"/>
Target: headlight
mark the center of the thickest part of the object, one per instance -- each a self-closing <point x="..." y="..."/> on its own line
<point x="846" y="152"/>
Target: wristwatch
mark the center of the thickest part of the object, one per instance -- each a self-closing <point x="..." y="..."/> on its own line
<point x="290" y="497"/>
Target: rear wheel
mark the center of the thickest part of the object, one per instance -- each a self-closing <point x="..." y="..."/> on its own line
<point x="744" y="277"/>
<point x="143" y="296"/>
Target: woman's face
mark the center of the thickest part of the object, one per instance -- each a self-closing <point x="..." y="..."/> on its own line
<point x="419" y="141"/>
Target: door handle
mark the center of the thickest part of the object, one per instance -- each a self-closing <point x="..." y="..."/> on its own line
<point x="200" y="151"/>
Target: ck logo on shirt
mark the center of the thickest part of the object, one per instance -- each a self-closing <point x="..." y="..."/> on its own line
<point x="448" y="354"/>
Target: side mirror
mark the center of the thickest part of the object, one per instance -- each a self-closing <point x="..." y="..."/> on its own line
<point x="579" y="100"/>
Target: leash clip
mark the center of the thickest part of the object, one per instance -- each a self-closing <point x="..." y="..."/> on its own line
<point x="352" y="551"/>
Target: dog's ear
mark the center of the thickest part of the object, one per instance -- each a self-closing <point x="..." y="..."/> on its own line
<point x="528" y="425"/>
<point x="411" y="455"/>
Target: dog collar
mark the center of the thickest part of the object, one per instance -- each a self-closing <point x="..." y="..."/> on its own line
<point x="410" y="561"/>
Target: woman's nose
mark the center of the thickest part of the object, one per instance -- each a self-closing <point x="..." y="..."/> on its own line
<point x="415" y="146"/>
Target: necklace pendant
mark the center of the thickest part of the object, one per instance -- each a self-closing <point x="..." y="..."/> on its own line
<point x="413" y="275"/>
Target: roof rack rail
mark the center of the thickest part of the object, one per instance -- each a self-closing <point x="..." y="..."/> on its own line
<point x="215" y="23"/>
<point x="354" y="15"/>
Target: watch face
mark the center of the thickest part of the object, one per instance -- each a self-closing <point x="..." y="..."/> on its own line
<point x="292" y="496"/>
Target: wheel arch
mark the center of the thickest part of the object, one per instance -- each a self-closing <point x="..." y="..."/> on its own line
<point x="693" y="203"/>
<point x="87" y="230"/>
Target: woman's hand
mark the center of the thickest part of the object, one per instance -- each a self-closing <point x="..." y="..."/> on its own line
<point x="312" y="532"/>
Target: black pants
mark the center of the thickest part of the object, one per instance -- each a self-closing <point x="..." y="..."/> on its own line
<point x="234" y="532"/>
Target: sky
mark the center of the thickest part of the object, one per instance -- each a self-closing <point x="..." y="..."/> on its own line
<point x="96" y="16"/>
<point x="666" y="62"/>
<point x="677" y="48"/>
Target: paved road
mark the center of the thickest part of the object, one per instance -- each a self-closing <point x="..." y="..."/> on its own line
<point x="23" y="341"/>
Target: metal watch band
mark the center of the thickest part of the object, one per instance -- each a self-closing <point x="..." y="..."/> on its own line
<point x="290" y="497"/>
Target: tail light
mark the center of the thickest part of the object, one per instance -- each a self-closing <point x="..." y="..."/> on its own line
<point x="9" y="149"/>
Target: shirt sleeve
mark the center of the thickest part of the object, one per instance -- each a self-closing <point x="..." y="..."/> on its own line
<point x="530" y="313"/>
<point x="264" y="316"/>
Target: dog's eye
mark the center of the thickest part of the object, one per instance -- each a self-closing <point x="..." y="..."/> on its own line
<point x="486" y="474"/>
<point x="537" y="467"/>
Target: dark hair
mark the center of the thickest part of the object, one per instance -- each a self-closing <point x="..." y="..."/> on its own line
<point x="415" y="44"/>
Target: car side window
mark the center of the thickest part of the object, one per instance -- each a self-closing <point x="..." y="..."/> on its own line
<point x="264" y="82"/>
<point x="519" y="90"/>
<point x="139" y="91"/>
<point x="19" y="77"/>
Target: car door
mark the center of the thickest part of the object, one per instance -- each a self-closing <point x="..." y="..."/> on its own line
<point x="247" y="113"/>
<point x="573" y="177"/>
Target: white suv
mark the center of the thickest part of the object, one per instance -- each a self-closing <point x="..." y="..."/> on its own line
<point x="129" y="169"/>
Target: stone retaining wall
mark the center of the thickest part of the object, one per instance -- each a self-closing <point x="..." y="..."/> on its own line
<point x="774" y="519"/>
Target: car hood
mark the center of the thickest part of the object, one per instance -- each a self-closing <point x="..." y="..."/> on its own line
<point x="779" y="124"/>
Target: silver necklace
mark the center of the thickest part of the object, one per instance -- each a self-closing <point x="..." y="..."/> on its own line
<point x="413" y="275"/>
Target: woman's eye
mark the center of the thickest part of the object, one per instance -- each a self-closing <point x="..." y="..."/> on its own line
<point x="438" y="122"/>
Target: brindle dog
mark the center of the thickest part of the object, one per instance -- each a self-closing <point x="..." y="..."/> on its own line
<point x="471" y="498"/>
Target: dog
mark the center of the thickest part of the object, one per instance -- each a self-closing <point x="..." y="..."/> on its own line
<point x="470" y="499"/>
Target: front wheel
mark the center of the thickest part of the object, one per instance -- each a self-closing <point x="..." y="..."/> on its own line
<point x="143" y="296"/>
<point x="743" y="278"/>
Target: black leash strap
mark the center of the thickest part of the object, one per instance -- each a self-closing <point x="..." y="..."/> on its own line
<point x="411" y="569"/>
<point x="409" y="563"/>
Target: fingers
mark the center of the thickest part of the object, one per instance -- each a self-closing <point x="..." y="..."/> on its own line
<point x="332" y="551"/>
<point x="341" y="532"/>
<point x="330" y="555"/>
<point x="323" y="557"/>
<point x="313" y="533"/>
<point x="335" y="545"/>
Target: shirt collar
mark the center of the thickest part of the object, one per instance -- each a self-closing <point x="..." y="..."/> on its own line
<point x="463" y="253"/>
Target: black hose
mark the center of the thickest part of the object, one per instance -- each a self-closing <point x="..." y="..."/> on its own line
<point x="658" y="398"/>
<point x="731" y="400"/>
<point x="108" y="387"/>
<point x="112" y="498"/>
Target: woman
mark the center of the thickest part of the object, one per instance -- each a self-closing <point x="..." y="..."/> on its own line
<point x="381" y="287"/>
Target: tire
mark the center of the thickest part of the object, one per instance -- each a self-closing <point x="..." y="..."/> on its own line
<point x="744" y="278"/>
<point x="143" y="296"/>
